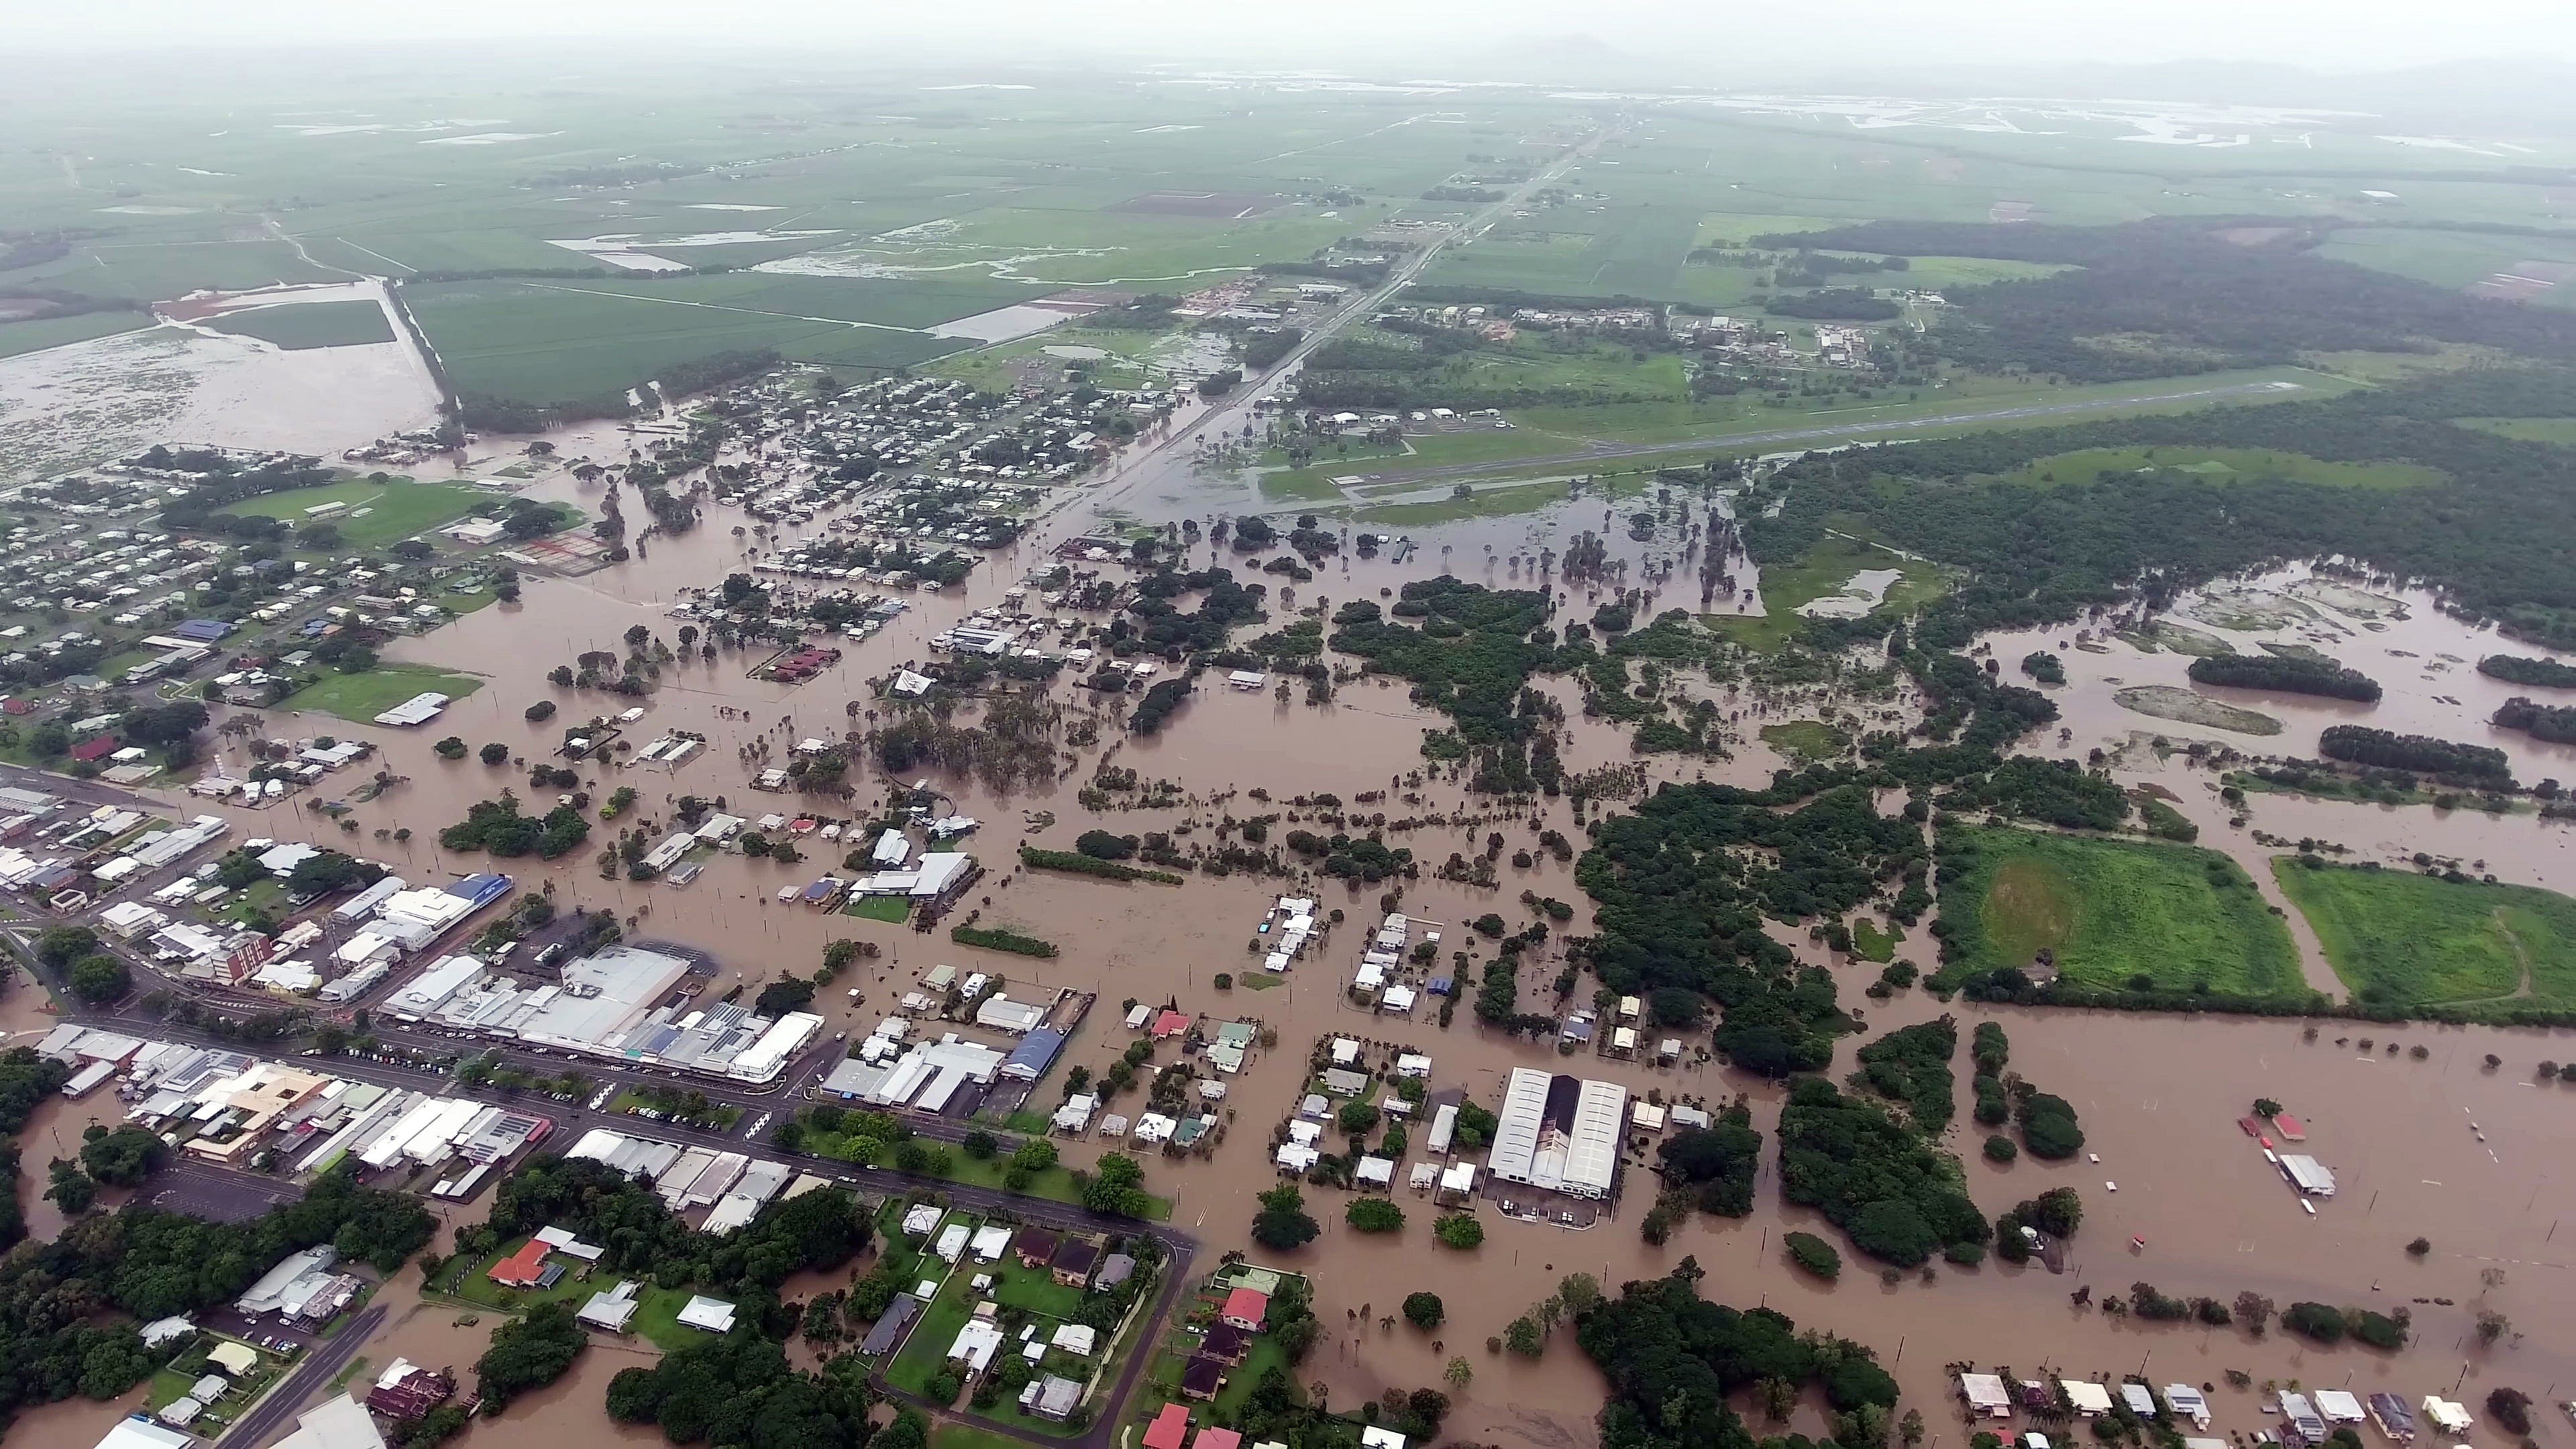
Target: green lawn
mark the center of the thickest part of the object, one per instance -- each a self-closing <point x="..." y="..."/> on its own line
<point x="1034" y="1289"/>
<point x="377" y="513"/>
<point x="1824" y="570"/>
<point x="894" y="909"/>
<point x="40" y="333"/>
<point x="359" y="698"/>
<point x="1806" y="740"/>
<point x="2398" y="937"/>
<point x="2221" y="465"/>
<point x="657" y="1310"/>
<point x="955" y="1434"/>
<point x="925" y="1351"/>
<point x="1240" y="1379"/>
<point x="2112" y="911"/>
<point x="301" y="325"/>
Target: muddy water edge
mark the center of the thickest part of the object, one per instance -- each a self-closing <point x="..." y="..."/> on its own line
<point x="2158" y="1095"/>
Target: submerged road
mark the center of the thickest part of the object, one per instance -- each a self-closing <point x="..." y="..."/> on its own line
<point x="1602" y="451"/>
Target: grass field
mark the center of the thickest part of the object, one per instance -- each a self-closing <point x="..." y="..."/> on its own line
<point x="159" y="271"/>
<point x="2220" y="465"/>
<point x="1823" y="570"/>
<point x="657" y="1310"/>
<point x="2113" y="911"/>
<point x="2531" y="430"/>
<point x="895" y="909"/>
<point x="2451" y="258"/>
<point x="1806" y="740"/>
<point x="17" y="338"/>
<point x="359" y="698"/>
<point x="297" y="326"/>
<point x="2402" y="938"/>
<point x="377" y="513"/>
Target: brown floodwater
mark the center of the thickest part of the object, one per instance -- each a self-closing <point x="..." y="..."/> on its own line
<point x="2158" y="1095"/>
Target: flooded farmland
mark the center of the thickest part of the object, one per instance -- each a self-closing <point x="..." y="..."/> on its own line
<point x="2444" y="1147"/>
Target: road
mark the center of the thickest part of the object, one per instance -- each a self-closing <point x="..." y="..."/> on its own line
<point x="1606" y="451"/>
<point x="1164" y="458"/>
<point x="328" y="1357"/>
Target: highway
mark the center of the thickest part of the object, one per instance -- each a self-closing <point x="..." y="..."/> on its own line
<point x="1604" y="452"/>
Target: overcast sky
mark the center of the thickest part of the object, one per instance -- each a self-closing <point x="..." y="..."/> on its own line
<point x="1368" y="36"/>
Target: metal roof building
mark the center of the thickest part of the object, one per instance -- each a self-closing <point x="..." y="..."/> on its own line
<point x="1557" y="1133"/>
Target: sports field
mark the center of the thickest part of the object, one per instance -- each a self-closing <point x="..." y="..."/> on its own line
<point x="2398" y="937"/>
<point x="376" y="514"/>
<point x="359" y="698"/>
<point x="2112" y="912"/>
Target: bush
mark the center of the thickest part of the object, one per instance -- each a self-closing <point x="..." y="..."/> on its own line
<point x="495" y="753"/>
<point x="2314" y="1320"/>
<point x="1999" y="1148"/>
<point x="1966" y="1255"/>
<point x="1374" y="1215"/>
<point x="1424" y="1310"/>
<point x="1814" y="1254"/>
<point x="1459" y="1230"/>
<point x="541" y="711"/>
<point x="2511" y="1409"/>
<point x="2048" y="1127"/>
<point x="450" y="748"/>
<point x="1101" y="845"/>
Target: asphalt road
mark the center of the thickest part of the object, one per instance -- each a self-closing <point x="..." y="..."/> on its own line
<point x="1607" y="451"/>
<point x="320" y="1366"/>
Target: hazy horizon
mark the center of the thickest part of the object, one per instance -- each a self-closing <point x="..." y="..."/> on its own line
<point x="1660" y="39"/>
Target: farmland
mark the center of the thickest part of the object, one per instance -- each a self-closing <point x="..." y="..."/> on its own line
<point x="311" y="324"/>
<point x="2112" y="913"/>
<point x="43" y="332"/>
<point x="2399" y="938"/>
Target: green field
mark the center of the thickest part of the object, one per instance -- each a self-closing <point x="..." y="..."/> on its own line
<point x="895" y="909"/>
<point x="377" y="513"/>
<point x="2220" y="465"/>
<point x="359" y="698"/>
<point x="2113" y="911"/>
<point x="657" y="1309"/>
<point x="2402" y="938"/>
<point x="2531" y="430"/>
<point x="43" y="332"/>
<point x="1806" y="740"/>
<point x="296" y="326"/>
<point x="2452" y="258"/>
<point x="1821" y="571"/>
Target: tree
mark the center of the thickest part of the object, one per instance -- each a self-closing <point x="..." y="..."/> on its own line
<point x="495" y="753"/>
<point x="1117" y="1187"/>
<point x="1579" y="1292"/>
<point x="1357" y="1117"/>
<point x="1282" y="1223"/>
<point x="60" y="946"/>
<point x="1374" y="1215"/>
<point x="2254" y="1311"/>
<point x="2510" y="1408"/>
<point x="2000" y="1148"/>
<point x="980" y="1145"/>
<point x="1459" y="1230"/>
<point x="71" y="1189"/>
<point x="540" y="712"/>
<point x="1814" y="1254"/>
<point x="99" y="979"/>
<point x="1424" y="1310"/>
<point x="450" y="748"/>
<point x="122" y="1157"/>
<point x="1524" y="1337"/>
<point x="1459" y="1373"/>
<point x="530" y="1352"/>
<point x="2266" y="1107"/>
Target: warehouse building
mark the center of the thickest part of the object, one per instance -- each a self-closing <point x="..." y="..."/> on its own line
<point x="1559" y="1134"/>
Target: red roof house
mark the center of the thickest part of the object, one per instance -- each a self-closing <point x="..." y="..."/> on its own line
<point x="522" y="1268"/>
<point x="97" y="747"/>
<point x="1171" y="1023"/>
<point x="1217" y="1439"/>
<point x="2291" y="1131"/>
<point x="1169" y="1428"/>
<point x="1246" y="1309"/>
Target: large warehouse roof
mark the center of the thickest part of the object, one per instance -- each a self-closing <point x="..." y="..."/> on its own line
<point x="1559" y="1134"/>
<point x="1517" y="1126"/>
<point x="1592" y="1156"/>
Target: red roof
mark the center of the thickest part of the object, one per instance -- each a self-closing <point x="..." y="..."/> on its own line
<point x="1171" y="1023"/>
<point x="1245" y="1306"/>
<point x="1168" y="1429"/>
<point x="2291" y="1131"/>
<point x="97" y="747"/>
<point x="1217" y="1439"/>
<point x="520" y="1269"/>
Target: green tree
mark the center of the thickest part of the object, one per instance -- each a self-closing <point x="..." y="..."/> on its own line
<point x="1374" y="1215"/>
<point x="1424" y="1310"/>
<point x="99" y="979"/>
<point x="1282" y="1223"/>
<point x="1459" y="1230"/>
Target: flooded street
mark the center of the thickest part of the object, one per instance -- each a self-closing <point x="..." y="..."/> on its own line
<point x="2158" y="1096"/>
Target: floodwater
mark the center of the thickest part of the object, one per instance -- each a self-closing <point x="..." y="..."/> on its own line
<point x="2158" y="1096"/>
<point x="87" y="402"/>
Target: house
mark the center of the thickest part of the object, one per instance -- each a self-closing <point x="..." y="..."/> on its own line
<point x="338" y="1422"/>
<point x="1226" y="1343"/>
<point x="611" y="1310"/>
<point x="1986" y="1395"/>
<point x="2090" y="1399"/>
<point x="405" y="1390"/>
<point x="1374" y="1437"/>
<point x="1170" y="1429"/>
<point x="233" y="1357"/>
<point x="710" y="1315"/>
<point x="1035" y="1247"/>
<point x="887" y="1331"/>
<point x="1052" y="1397"/>
<point x="1115" y="1269"/>
<point x="525" y="1268"/>
<point x="1078" y="1339"/>
<point x="1201" y="1378"/>
<point x="2188" y="1403"/>
<point x="1073" y="1261"/>
<point x="976" y="1344"/>
<point x="2392" y="1416"/>
<point x="1246" y="1309"/>
<point x="1214" y="1438"/>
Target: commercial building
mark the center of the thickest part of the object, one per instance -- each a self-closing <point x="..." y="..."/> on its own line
<point x="624" y="1003"/>
<point x="1559" y="1134"/>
